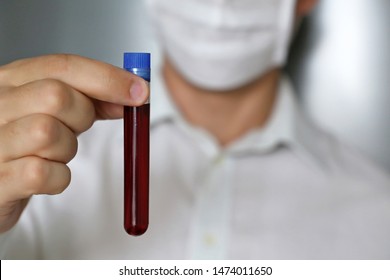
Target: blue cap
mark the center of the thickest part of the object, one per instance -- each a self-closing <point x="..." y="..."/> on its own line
<point x="136" y="60"/>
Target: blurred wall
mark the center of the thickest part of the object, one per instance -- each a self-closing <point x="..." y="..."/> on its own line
<point x="341" y="66"/>
<point x="98" y="29"/>
<point x="340" y="62"/>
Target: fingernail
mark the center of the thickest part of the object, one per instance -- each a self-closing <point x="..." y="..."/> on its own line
<point x="137" y="93"/>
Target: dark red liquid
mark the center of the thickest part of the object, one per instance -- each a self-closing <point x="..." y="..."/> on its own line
<point x="136" y="149"/>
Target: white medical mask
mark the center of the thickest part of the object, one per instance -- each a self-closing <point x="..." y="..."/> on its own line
<point x="223" y="44"/>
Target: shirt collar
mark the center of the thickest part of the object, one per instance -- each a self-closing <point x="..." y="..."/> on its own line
<point x="287" y="126"/>
<point x="278" y="130"/>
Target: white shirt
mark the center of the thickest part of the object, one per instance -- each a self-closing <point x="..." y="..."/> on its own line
<point x="288" y="191"/>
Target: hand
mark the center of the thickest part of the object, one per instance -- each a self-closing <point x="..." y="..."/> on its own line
<point x="45" y="102"/>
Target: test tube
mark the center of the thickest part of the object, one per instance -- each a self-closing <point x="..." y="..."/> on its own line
<point x="136" y="152"/>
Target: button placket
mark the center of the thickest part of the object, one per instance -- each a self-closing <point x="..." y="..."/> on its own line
<point x="210" y="227"/>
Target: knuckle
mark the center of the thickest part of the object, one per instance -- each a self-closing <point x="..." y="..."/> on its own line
<point x="86" y="113"/>
<point x="44" y="130"/>
<point x="36" y="173"/>
<point x="55" y="96"/>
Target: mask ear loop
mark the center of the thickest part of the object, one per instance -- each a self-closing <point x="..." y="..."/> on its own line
<point x="285" y="30"/>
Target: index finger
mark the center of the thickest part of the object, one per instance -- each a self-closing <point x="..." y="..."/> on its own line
<point x="95" y="79"/>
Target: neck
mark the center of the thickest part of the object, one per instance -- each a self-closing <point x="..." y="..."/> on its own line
<point x="226" y="115"/>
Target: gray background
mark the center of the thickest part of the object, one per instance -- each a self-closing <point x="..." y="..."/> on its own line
<point x="340" y="62"/>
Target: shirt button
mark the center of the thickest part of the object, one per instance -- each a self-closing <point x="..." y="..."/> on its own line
<point x="209" y="240"/>
<point x="219" y="159"/>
